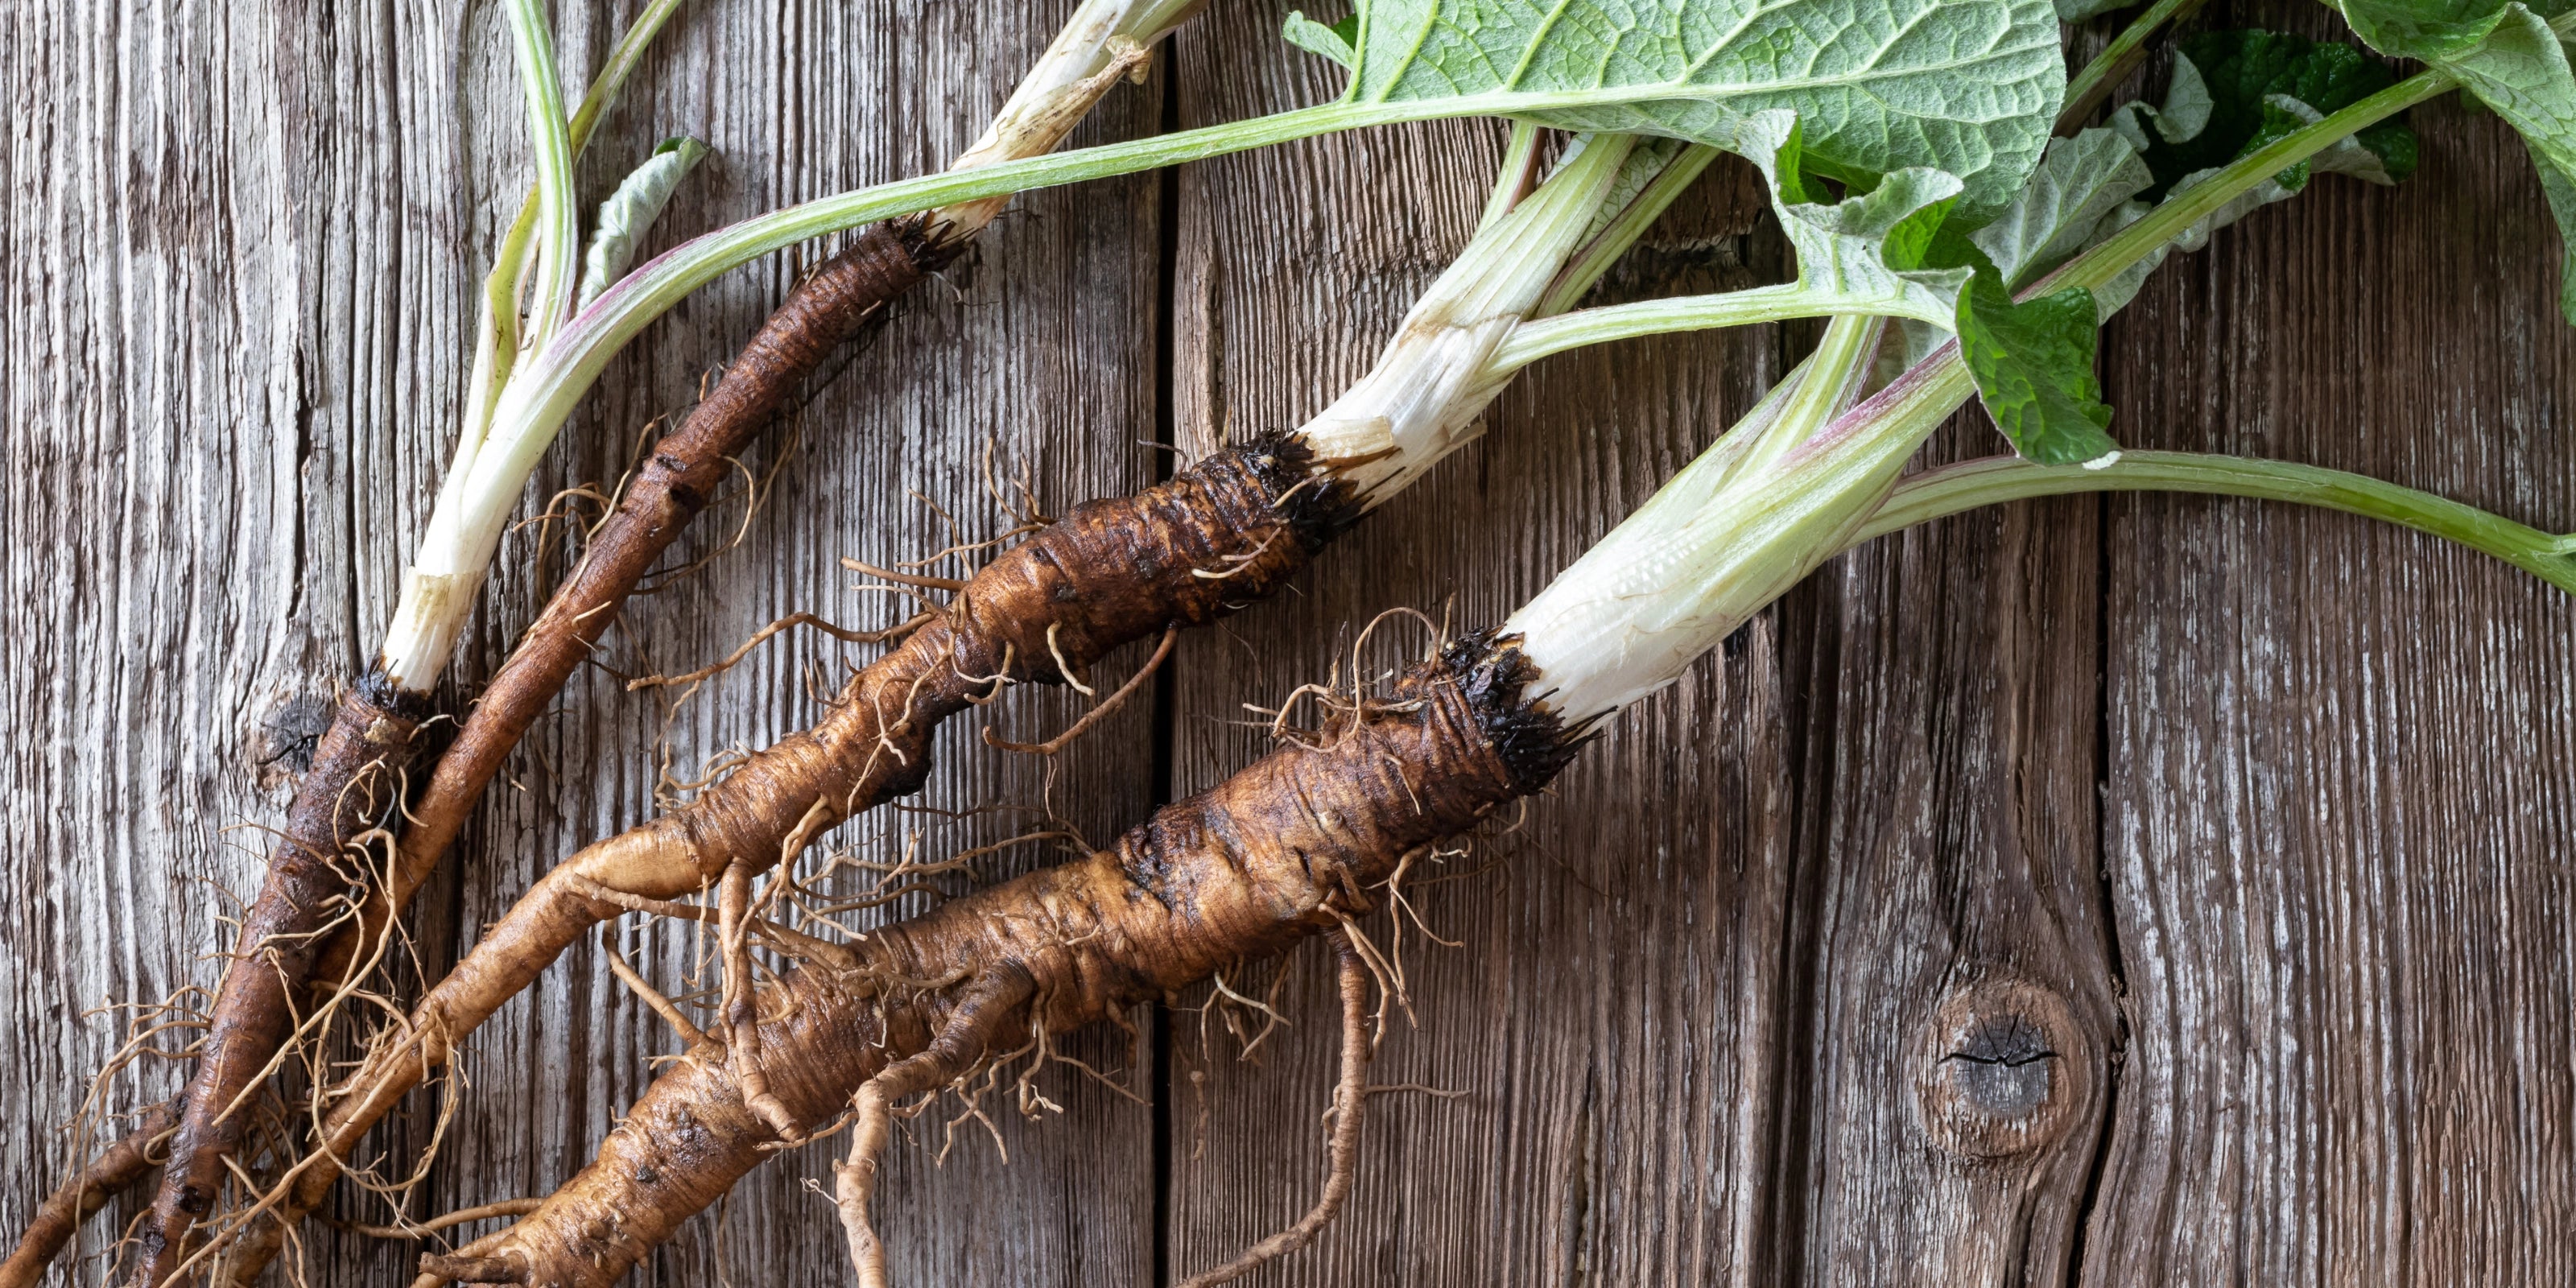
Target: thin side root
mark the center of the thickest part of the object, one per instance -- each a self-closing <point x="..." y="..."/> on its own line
<point x="766" y="633"/>
<point x="461" y="1216"/>
<point x="1095" y="715"/>
<point x="1350" y="1096"/>
<point x="961" y="1043"/>
<point x="690" y="1034"/>
<point x="903" y="578"/>
<point x="742" y="1005"/>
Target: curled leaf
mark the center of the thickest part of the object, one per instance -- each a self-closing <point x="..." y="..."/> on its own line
<point x="631" y="210"/>
<point x="2076" y="187"/>
<point x="1334" y="42"/>
<point x="2033" y="364"/>
<point x="1873" y="246"/>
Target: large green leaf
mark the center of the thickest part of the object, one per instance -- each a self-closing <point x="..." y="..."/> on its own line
<point x="1965" y="86"/>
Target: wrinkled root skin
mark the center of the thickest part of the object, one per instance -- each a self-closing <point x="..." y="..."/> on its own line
<point x="1108" y="573"/>
<point x="355" y="775"/>
<point x="116" y="1169"/>
<point x="1286" y="848"/>
<point x="832" y="305"/>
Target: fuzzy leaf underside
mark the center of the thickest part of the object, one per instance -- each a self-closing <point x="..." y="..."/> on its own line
<point x="1965" y="86"/>
<point x="2521" y="71"/>
<point x="1870" y="246"/>
<point x="630" y="211"/>
<point x="2033" y="364"/>
<point x="2061" y="211"/>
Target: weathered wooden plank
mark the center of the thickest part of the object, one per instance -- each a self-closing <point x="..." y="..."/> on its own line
<point x="2338" y="802"/>
<point x="1047" y="347"/>
<point x="1611" y="1004"/>
<point x="1699" y="994"/>
<point x="1953" y="1011"/>
<point x="159" y="515"/>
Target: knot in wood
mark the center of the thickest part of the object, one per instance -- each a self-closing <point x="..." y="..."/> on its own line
<point x="2000" y="1070"/>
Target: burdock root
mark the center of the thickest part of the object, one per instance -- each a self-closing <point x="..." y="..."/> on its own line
<point x="842" y="296"/>
<point x="354" y="778"/>
<point x="1226" y="531"/>
<point x="1287" y="848"/>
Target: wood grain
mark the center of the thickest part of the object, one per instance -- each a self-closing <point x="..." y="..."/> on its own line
<point x="2137" y="890"/>
<point x="1609" y="1007"/>
<point x="2338" y="804"/>
<point x="308" y="269"/>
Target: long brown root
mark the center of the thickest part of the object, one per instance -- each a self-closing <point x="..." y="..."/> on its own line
<point x="355" y="776"/>
<point x="1107" y="573"/>
<point x="835" y="302"/>
<point x="116" y="1169"/>
<point x="1342" y="1154"/>
<point x="284" y="943"/>
<point x="840" y="298"/>
<point x="1288" y="848"/>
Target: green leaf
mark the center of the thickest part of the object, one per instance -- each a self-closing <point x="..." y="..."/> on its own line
<point x="1333" y="42"/>
<point x="2071" y="11"/>
<point x="1872" y="246"/>
<point x="2033" y="363"/>
<point x="2521" y="71"/>
<point x="2222" y="102"/>
<point x="1966" y="86"/>
<point x="2422" y="28"/>
<point x="2062" y="209"/>
<point x="631" y="210"/>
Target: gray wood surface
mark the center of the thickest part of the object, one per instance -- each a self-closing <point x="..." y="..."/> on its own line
<point x="2133" y="890"/>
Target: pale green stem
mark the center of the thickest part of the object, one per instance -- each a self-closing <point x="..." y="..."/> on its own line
<point x="1423" y="398"/>
<point x="2090" y="86"/>
<point x="438" y="590"/>
<point x="1718" y="542"/>
<point x="496" y="331"/>
<point x="559" y="215"/>
<point x="1952" y="489"/>
<point x="577" y="355"/>
<point x="1721" y="540"/>
<point x="1838" y="368"/>
<point x="510" y="266"/>
<point x="1594" y="260"/>
<point x="1517" y="175"/>
<point x="1782" y="303"/>
<point x="2098" y="266"/>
